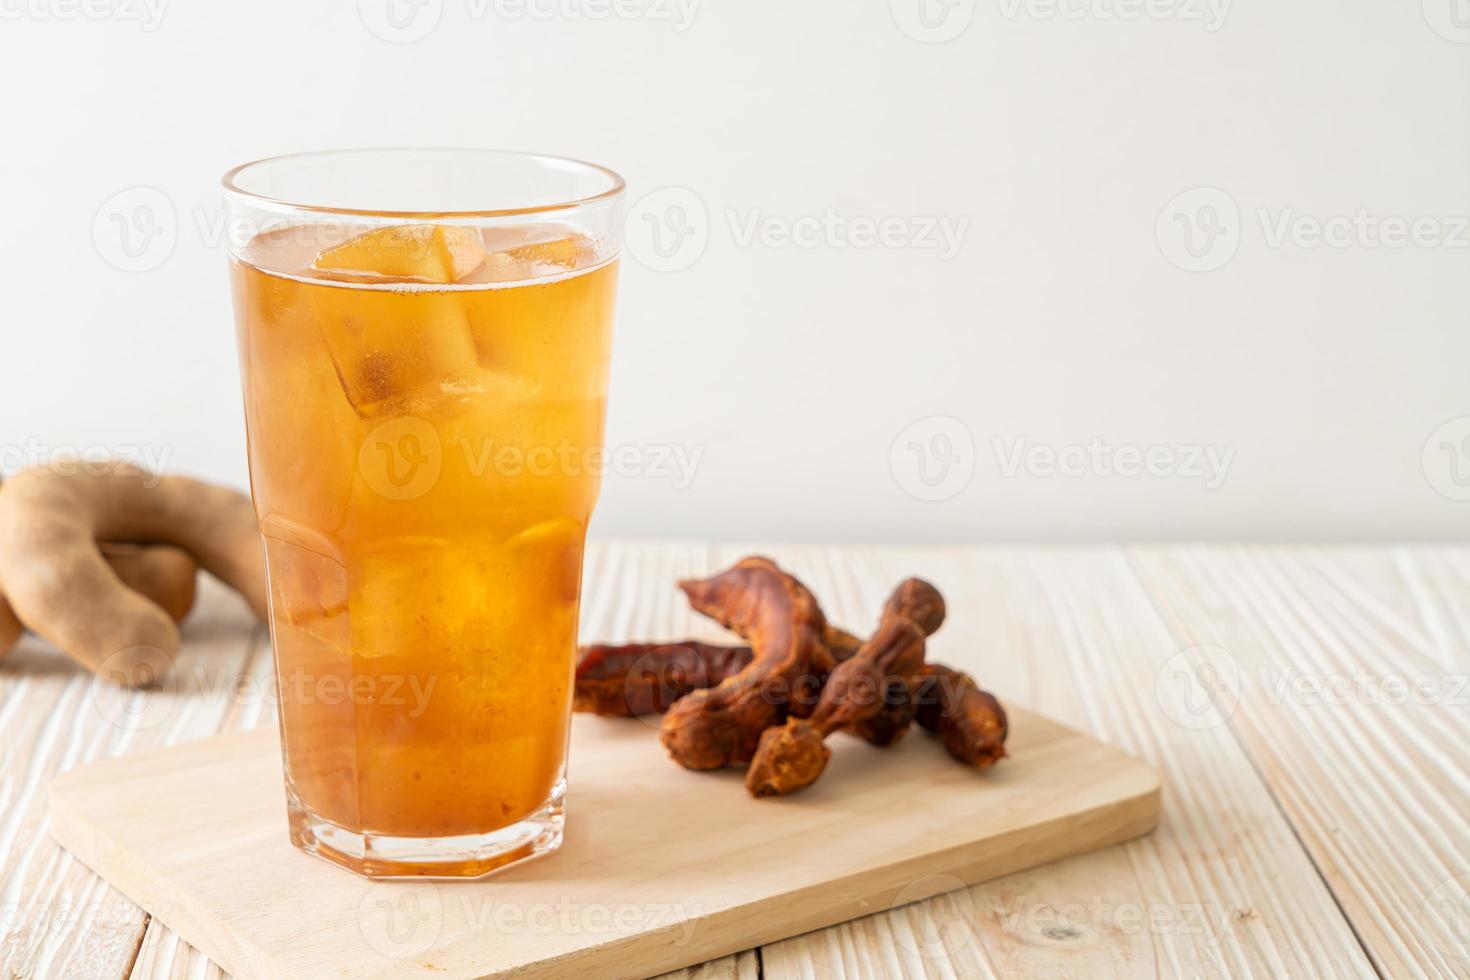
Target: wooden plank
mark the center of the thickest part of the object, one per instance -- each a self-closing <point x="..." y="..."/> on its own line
<point x="661" y="866"/>
<point x="59" y="919"/>
<point x="1422" y="604"/>
<point x="1221" y="889"/>
<point x="1346" y="674"/>
<point x="164" y="955"/>
<point x="741" y="966"/>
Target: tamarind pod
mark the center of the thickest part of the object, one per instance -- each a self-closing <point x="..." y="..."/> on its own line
<point x="126" y="503"/>
<point x="10" y="628"/>
<point x="160" y="572"/>
<point x="855" y="691"/>
<point x="913" y="598"/>
<point x="921" y="602"/>
<point x="215" y="524"/>
<point x="840" y="643"/>
<point x="59" y="586"/>
<point x="918" y="600"/>
<point x="969" y="720"/>
<point x="634" y="679"/>
<point x="780" y="619"/>
<point x="792" y="756"/>
<point x="892" y="720"/>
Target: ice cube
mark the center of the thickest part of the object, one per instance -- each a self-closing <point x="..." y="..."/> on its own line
<point x="515" y="260"/>
<point x="560" y="255"/>
<point x="388" y="344"/>
<point x="551" y="552"/>
<point x="503" y="267"/>
<point x="468" y="603"/>
<point x="308" y="583"/>
<point x="421" y="597"/>
<point x="415" y="253"/>
<point x="304" y="432"/>
<point x="477" y="389"/>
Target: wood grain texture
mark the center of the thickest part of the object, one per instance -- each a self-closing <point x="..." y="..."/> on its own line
<point x="1366" y="831"/>
<point x="661" y="866"/>
<point x="1345" y="674"/>
<point x="1221" y="889"/>
<point x="60" y="920"/>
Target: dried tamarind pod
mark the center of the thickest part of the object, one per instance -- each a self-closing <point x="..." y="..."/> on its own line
<point x="892" y="720"/>
<point x="840" y="643"/>
<point x="856" y="688"/>
<point x="780" y="619"/>
<point x="634" y="679"/>
<point x="918" y="600"/>
<point x="969" y="720"/>
<point x="54" y="575"/>
<point x="921" y="602"/>
<point x="792" y="756"/>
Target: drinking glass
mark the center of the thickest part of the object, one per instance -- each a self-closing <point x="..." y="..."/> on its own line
<point x="424" y="343"/>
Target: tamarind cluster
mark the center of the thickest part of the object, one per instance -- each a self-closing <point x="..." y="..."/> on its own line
<point x="101" y="561"/>
<point x="772" y="704"/>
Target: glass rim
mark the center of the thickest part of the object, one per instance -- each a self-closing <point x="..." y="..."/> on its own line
<point x="230" y="184"/>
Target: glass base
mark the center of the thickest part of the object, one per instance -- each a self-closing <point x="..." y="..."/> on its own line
<point x="463" y="856"/>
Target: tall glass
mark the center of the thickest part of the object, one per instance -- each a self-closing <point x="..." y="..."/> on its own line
<point x="424" y="344"/>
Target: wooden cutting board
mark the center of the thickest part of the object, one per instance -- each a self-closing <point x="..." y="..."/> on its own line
<point x="662" y="868"/>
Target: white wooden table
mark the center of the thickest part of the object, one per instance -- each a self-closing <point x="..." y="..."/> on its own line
<point x="1308" y="707"/>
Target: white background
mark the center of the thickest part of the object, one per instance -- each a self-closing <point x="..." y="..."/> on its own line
<point x="803" y="375"/>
